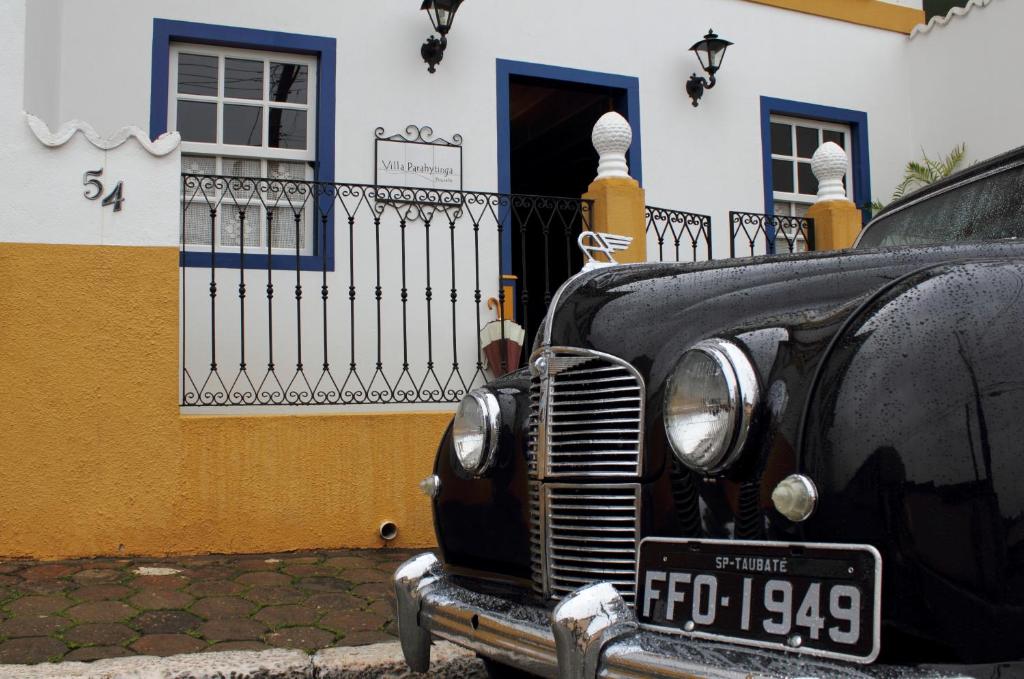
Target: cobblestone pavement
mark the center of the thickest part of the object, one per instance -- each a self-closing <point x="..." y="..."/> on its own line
<point x="88" y="609"/>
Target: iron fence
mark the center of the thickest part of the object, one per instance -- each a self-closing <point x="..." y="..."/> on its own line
<point x="767" y="234"/>
<point x="389" y="336"/>
<point x="686" y="231"/>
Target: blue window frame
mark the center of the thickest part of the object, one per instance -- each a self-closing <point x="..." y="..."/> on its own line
<point x="166" y="31"/>
<point x="858" y="123"/>
<point x="506" y="69"/>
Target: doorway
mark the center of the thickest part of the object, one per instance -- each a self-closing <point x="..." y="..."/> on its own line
<point x="547" y="151"/>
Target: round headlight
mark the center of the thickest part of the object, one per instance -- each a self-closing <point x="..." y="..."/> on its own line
<point x="475" y="430"/>
<point x="709" y="403"/>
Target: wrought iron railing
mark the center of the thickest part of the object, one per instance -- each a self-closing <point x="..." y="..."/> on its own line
<point x="681" y="233"/>
<point x="752" y="233"/>
<point x="252" y="334"/>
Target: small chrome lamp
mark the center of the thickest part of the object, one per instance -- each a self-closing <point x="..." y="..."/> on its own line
<point x="710" y="51"/>
<point x="442" y="14"/>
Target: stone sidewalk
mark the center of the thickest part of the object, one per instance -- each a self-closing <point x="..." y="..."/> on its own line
<point x="90" y="609"/>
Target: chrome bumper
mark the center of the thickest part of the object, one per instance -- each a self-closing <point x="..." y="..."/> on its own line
<point x="591" y="633"/>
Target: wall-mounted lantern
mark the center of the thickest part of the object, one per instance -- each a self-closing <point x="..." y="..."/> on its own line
<point x="442" y="14"/>
<point x="710" y="51"/>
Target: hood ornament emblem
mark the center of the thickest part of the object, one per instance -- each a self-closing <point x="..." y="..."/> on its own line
<point x="605" y="243"/>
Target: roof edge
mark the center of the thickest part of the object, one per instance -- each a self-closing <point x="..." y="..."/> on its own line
<point x="953" y="13"/>
<point x="872" y="13"/>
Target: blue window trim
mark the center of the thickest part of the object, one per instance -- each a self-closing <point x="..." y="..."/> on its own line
<point x="325" y="49"/>
<point x="506" y="69"/>
<point x="858" y="122"/>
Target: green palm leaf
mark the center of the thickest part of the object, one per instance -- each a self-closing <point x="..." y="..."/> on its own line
<point x="927" y="171"/>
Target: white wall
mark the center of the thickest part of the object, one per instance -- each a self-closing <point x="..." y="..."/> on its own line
<point x="706" y="159"/>
<point x="46" y="167"/>
<point x="43" y="42"/>
<point x="964" y="82"/>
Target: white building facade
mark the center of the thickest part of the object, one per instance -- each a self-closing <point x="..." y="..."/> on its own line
<point x="262" y="90"/>
<point x="304" y="286"/>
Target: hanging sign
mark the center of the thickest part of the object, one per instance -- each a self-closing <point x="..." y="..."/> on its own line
<point x="417" y="160"/>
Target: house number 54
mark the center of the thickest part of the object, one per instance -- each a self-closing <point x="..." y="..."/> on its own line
<point x="95" y="189"/>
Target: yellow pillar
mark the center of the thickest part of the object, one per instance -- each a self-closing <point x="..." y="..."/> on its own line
<point x="619" y="209"/>
<point x="836" y="219"/>
<point x="618" y="205"/>
<point x="508" y="283"/>
<point x="836" y="224"/>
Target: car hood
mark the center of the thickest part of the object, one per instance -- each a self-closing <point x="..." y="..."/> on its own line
<point x="648" y="314"/>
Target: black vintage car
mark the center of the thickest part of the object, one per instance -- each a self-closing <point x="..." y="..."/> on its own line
<point x="807" y="465"/>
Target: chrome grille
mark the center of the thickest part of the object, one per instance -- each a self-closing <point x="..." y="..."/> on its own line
<point x="591" y="534"/>
<point x="536" y="560"/>
<point x="533" y="426"/>
<point x="594" y="411"/>
<point x="586" y="422"/>
<point x="536" y="551"/>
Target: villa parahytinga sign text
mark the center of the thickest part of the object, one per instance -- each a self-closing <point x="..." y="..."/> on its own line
<point x="418" y="160"/>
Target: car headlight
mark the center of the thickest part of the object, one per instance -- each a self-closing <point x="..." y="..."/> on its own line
<point x="709" y="403"/>
<point x="475" y="430"/>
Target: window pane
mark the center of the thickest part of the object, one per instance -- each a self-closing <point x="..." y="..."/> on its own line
<point x="837" y="137"/>
<point x="287" y="129"/>
<point x="243" y="192"/>
<point x="198" y="223"/>
<point x="243" y="78"/>
<point x="284" y="173"/>
<point x="280" y="169"/>
<point x="808" y="182"/>
<point x="243" y="125"/>
<point x="199" y="164"/>
<point x="806" y="141"/>
<point x="197" y="74"/>
<point x="242" y="167"/>
<point x="197" y="121"/>
<point x="782" y="176"/>
<point x="288" y="83"/>
<point x="231" y="223"/>
<point x="782" y="139"/>
<point x="282" y="231"/>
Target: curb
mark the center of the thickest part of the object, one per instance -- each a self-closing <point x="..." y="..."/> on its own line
<point x="375" y="661"/>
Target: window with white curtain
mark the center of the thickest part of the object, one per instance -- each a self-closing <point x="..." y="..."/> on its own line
<point x="246" y="113"/>
<point x="794" y="186"/>
<point x="794" y="141"/>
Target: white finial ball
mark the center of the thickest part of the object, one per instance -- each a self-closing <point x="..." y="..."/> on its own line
<point x="612" y="136"/>
<point x="829" y="164"/>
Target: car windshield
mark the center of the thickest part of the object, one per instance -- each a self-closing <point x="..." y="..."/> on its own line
<point x="987" y="207"/>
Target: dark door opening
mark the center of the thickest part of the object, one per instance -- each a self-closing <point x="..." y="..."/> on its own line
<point x="550" y="122"/>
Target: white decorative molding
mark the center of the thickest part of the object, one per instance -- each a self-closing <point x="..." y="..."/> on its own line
<point x="829" y="164"/>
<point x="163" y="144"/>
<point x="612" y="136"/>
<point x="954" y="12"/>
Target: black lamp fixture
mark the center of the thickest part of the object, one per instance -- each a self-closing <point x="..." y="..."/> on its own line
<point x="442" y="14"/>
<point x="710" y="51"/>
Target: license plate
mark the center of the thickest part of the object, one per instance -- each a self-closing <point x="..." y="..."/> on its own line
<point x="819" y="599"/>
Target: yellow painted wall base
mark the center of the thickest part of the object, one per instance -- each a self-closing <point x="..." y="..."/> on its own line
<point x="619" y="208"/>
<point x="837" y="224"/>
<point x="278" y="482"/>
<point x="96" y="459"/>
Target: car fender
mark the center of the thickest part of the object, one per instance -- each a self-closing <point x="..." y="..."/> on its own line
<point x="913" y="432"/>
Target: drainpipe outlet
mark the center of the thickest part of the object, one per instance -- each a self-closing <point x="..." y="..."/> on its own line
<point x="388" y="530"/>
